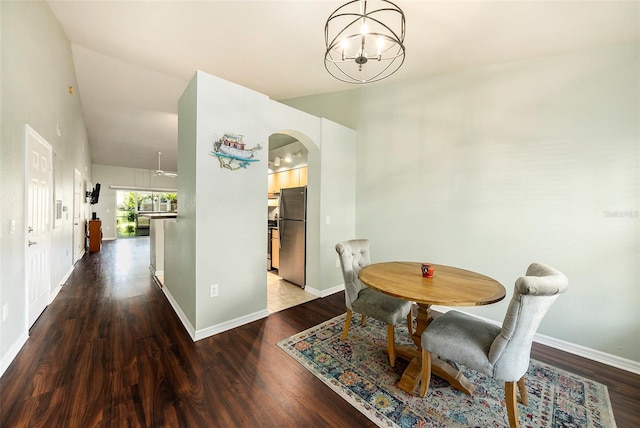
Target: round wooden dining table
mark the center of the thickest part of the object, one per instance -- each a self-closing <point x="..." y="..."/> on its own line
<point x="449" y="286"/>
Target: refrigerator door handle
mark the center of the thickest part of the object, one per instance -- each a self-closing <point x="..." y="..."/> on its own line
<point x="280" y="222"/>
<point x="304" y="192"/>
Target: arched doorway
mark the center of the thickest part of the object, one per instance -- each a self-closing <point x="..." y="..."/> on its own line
<point x="286" y="238"/>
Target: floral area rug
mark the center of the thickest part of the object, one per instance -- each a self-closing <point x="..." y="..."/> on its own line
<point x="358" y="370"/>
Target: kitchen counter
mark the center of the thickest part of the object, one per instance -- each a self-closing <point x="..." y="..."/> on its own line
<point x="156" y="244"/>
<point x="159" y="215"/>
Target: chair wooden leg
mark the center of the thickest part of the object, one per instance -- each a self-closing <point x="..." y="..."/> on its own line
<point x="347" y="324"/>
<point x="512" y="405"/>
<point x="363" y="320"/>
<point x="391" y="344"/>
<point x="410" y="323"/>
<point x="523" y="392"/>
<point x="426" y="372"/>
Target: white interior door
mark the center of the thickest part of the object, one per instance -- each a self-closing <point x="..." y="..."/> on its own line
<point x="39" y="191"/>
<point x="78" y="220"/>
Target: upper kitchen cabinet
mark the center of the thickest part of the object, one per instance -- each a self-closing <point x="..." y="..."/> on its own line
<point x="285" y="179"/>
<point x="302" y="178"/>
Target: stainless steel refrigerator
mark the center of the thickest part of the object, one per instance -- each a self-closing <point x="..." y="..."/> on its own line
<point x="292" y="227"/>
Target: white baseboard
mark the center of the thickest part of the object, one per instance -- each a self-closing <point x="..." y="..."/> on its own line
<point x="571" y="348"/>
<point x="54" y="292"/>
<point x="67" y="275"/>
<point x="215" y="329"/>
<point x="228" y="325"/>
<point x="82" y="253"/>
<point x="237" y="322"/>
<point x="57" y="289"/>
<point x="12" y="352"/>
<point x="589" y="353"/>
<point x="178" y="310"/>
<point x="313" y="291"/>
<point x="325" y="293"/>
<point x="155" y="272"/>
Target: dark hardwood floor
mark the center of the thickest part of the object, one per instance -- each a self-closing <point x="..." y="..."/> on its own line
<point x="110" y="352"/>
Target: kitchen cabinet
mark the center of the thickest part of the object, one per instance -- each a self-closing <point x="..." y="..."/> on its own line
<point x="302" y="179"/>
<point x="275" y="249"/>
<point x="285" y="179"/>
<point x="271" y="188"/>
<point x="289" y="178"/>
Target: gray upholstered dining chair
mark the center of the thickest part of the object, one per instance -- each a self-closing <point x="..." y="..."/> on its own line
<point x="354" y="255"/>
<point x="500" y="352"/>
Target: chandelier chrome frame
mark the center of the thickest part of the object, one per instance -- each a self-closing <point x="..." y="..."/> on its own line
<point x="375" y="29"/>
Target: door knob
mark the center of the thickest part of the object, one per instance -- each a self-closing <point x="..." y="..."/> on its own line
<point x="32" y="243"/>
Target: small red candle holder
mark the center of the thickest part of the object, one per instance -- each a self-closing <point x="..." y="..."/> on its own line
<point x="427" y="270"/>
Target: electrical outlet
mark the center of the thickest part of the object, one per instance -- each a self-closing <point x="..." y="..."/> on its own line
<point x="5" y="311"/>
<point x="213" y="290"/>
<point x="337" y="263"/>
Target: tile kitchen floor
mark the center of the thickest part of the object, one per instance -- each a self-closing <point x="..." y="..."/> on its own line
<point x="282" y="294"/>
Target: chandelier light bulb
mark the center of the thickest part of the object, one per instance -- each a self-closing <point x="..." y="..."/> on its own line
<point x="345" y="45"/>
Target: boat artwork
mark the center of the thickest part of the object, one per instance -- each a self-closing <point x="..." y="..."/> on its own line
<point x="232" y="152"/>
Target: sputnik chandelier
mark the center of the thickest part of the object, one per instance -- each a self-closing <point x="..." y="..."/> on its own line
<point x="365" y="41"/>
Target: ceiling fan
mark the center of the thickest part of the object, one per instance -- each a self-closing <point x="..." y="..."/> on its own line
<point x="159" y="171"/>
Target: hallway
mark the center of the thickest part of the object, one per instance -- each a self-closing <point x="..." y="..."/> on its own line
<point x="110" y="352"/>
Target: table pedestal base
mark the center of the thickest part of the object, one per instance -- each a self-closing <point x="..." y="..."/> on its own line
<point x="413" y="373"/>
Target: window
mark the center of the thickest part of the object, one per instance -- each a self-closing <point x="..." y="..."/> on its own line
<point x="129" y="205"/>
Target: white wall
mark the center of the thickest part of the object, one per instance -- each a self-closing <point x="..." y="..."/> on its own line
<point x="338" y="198"/>
<point x="109" y="176"/>
<point x="230" y="205"/>
<point x="496" y="167"/>
<point x="221" y="224"/>
<point x="36" y="71"/>
<point x="180" y="237"/>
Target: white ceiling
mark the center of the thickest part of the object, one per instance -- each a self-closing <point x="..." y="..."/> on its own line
<point x="133" y="59"/>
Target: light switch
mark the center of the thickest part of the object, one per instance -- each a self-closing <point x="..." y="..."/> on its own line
<point x="328" y="219"/>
